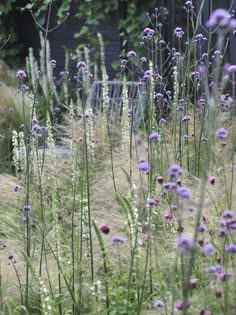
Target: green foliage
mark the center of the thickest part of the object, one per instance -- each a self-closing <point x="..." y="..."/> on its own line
<point x="9" y="45"/>
<point x="131" y="17"/>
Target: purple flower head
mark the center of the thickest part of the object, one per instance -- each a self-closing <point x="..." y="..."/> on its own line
<point x="2" y="243"/>
<point x="178" y="32"/>
<point x="222" y="133"/>
<point x="219" y="17"/>
<point x="63" y="74"/>
<point x="144" y="166"/>
<point x="202" y="228"/>
<point x="21" y="74"/>
<point x="174" y="171"/>
<point x="184" y="192"/>
<point x="189" y="5"/>
<point x="57" y="109"/>
<point x="160" y="179"/>
<point x="179" y="305"/>
<point x="180" y="108"/>
<point x="148" y="32"/>
<point x="168" y="216"/>
<point x="228" y="214"/>
<point x="193" y="283"/>
<point x="222" y="232"/>
<point x="231" y="248"/>
<point x="232" y="68"/>
<point x="35" y="120"/>
<point x="159" y="304"/>
<point x="143" y="59"/>
<point x="24" y="88"/>
<point x="186" y="137"/>
<point x="211" y="180"/>
<point x="208" y="249"/>
<point x="27" y="207"/>
<point x="211" y="269"/>
<point x="131" y="53"/>
<point x="17" y="188"/>
<point x="231" y="224"/>
<point x="147" y="75"/>
<point x="185" y="244"/>
<point x="186" y="118"/>
<point x="105" y="228"/>
<point x="23" y="219"/>
<point x="178" y="182"/>
<point x="81" y="64"/>
<point x="170" y="185"/>
<point x="162" y="121"/>
<point x="155" y="136"/>
<point x="36" y="127"/>
<point x="117" y="240"/>
<point x="53" y="63"/>
<point x="152" y="201"/>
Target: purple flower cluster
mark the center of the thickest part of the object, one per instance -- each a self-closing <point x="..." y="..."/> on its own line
<point x="222" y="18"/>
<point x="185" y="244"/>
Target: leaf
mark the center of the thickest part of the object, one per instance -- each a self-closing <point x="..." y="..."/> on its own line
<point x="58" y="299"/>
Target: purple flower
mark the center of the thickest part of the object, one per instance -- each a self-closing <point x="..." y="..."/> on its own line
<point x="170" y="185"/>
<point x="211" y="269"/>
<point x="17" y="188"/>
<point x="211" y="180"/>
<point x="160" y="179"/>
<point x="231" y="248"/>
<point x="159" y="304"/>
<point x="184" y="192"/>
<point x="53" y="63"/>
<point x="185" y="244"/>
<point x="117" y="240"/>
<point x="2" y="243"/>
<point x="23" y="219"/>
<point x="168" y="216"/>
<point x="202" y="228"/>
<point x="186" y="118"/>
<point x="219" y="17"/>
<point x="162" y="121"/>
<point x="144" y="166"/>
<point x="174" y="171"/>
<point x="232" y="68"/>
<point x="27" y="207"/>
<point x="155" y="136"/>
<point x="189" y="5"/>
<point x="81" y="64"/>
<point x="63" y="73"/>
<point x="105" y="228"/>
<point x="231" y="224"/>
<point x="221" y="232"/>
<point x="147" y="75"/>
<point x="227" y="214"/>
<point x="208" y="249"/>
<point x="21" y="74"/>
<point x="148" y="31"/>
<point x="222" y="133"/>
<point x="131" y="53"/>
<point x="186" y="138"/>
<point x="143" y="59"/>
<point x="152" y="201"/>
<point x="35" y="120"/>
<point x="178" y="32"/>
<point x="24" y="88"/>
